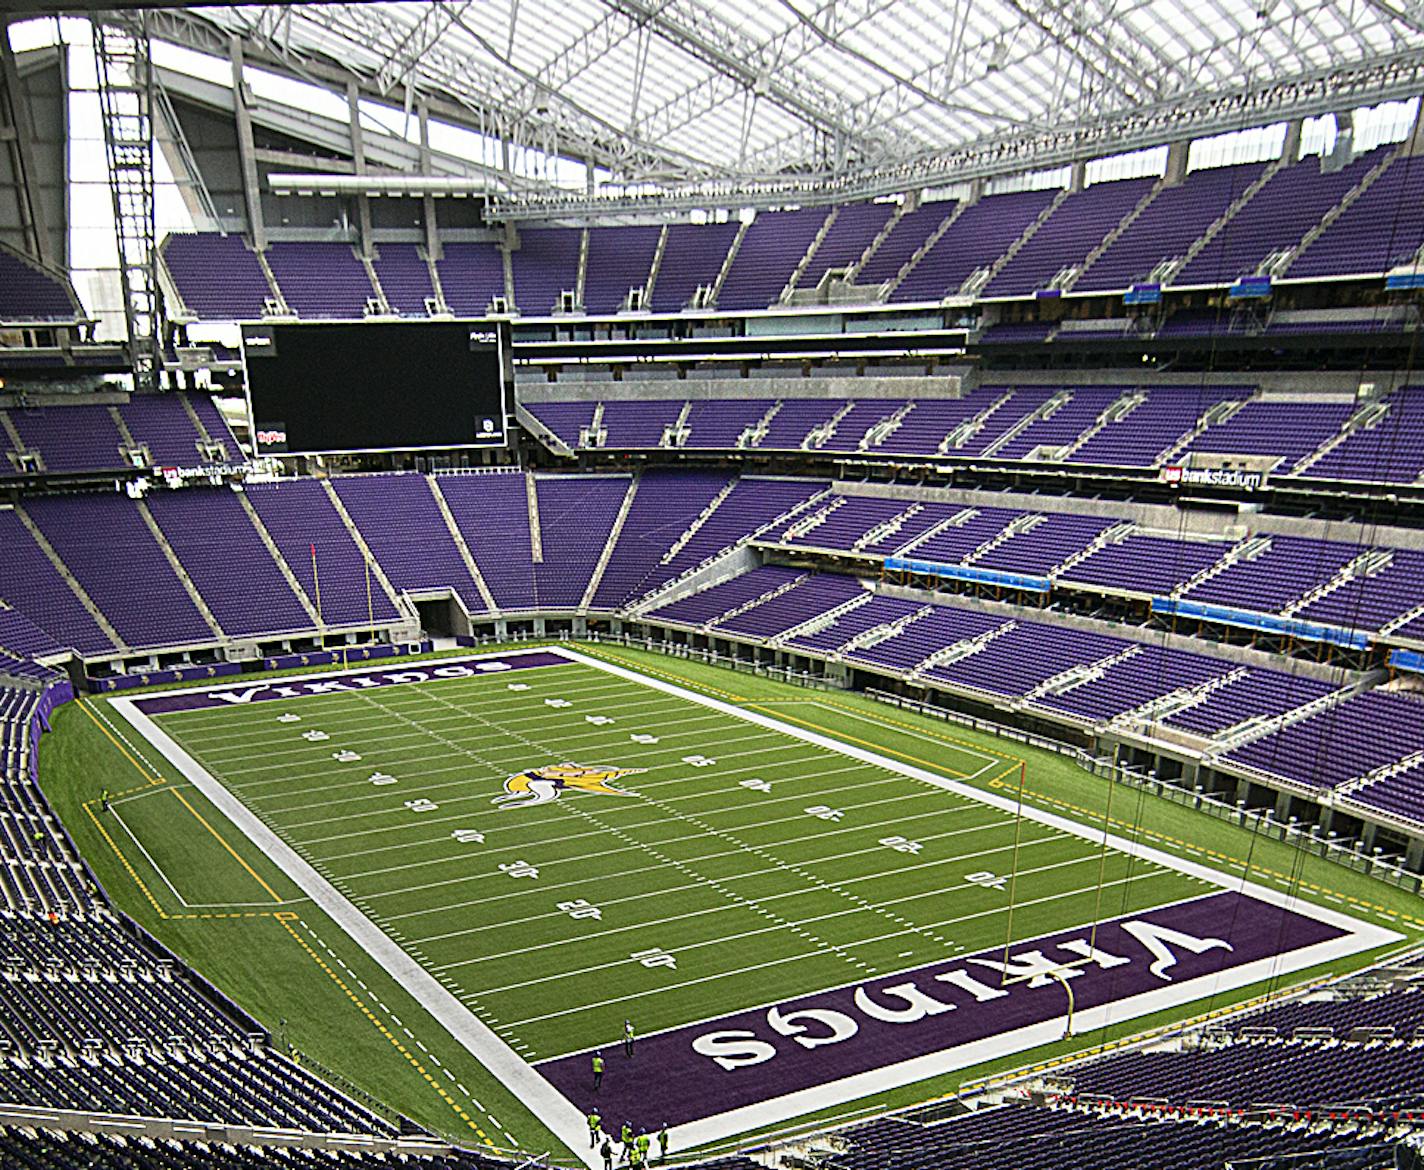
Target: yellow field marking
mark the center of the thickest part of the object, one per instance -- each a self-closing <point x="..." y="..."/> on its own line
<point x="223" y="842"/>
<point x="863" y="742"/>
<point x="124" y="861"/>
<point x="930" y="733"/>
<point x="152" y="776"/>
<point x="681" y="680"/>
<point x="286" y="919"/>
<point x="154" y="779"/>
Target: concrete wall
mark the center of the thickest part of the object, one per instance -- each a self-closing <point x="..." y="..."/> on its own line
<point x="573" y="387"/>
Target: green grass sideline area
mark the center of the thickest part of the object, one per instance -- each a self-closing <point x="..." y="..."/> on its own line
<point x="738" y="852"/>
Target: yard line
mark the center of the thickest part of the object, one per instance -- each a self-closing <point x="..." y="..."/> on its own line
<point x="874" y="906"/>
<point x="447" y="908"/>
<point x="509" y="825"/>
<point x="605" y="1001"/>
<point x="527" y="847"/>
<point x="854" y="767"/>
<point x="678" y="780"/>
<point x="519" y="760"/>
<point x="734" y="852"/>
<point x="488" y="991"/>
<point x="371" y="729"/>
<point x="474" y="796"/>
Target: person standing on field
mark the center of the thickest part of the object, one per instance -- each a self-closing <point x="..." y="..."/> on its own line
<point x="597" y="1070"/>
<point x="628" y="1038"/>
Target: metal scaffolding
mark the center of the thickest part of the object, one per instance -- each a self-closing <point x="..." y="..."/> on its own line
<point x="125" y="81"/>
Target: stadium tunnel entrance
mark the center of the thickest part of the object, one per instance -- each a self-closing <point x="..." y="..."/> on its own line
<point x="443" y="617"/>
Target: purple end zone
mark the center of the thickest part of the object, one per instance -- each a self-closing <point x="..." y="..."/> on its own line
<point x="363" y="680"/>
<point x="820" y="1038"/>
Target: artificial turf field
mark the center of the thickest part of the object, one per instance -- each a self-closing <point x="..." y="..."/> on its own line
<point x="733" y="865"/>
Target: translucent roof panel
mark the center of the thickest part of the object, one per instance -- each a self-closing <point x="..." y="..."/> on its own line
<point x="687" y="89"/>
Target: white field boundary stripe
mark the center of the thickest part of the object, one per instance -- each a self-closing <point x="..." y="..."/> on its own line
<point x="550" y="1106"/>
<point x="1095" y="836"/>
<point x="895" y="729"/>
<point x="565" y="1120"/>
<point x="776" y="1110"/>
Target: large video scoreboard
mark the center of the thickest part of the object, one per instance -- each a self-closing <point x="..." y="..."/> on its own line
<point x="376" y="386"/>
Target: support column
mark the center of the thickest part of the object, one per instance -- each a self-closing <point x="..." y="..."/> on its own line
<point x="22" y="126"/>
<point x="1078" y="177"/>
<point x="1283" y="801"/>
<point x="358" y="159"/>
<point x="1414" y="144"/>
<point x="246" y="150"/>
<point x="1176" y="163"/>
<point x="1344" y="149"/>
<point x="1290" y="149"/>
<point x="1414" y="855"/>
<point x="427" y="203"/>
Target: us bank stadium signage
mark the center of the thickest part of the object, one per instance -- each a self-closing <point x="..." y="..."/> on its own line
<point x="1222" y="477"/>
<point x="177" y="476"/>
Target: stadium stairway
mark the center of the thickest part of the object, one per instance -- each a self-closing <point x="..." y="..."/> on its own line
<point x="83" y="597"/>
<point x="596" y="577"/>
<point x="280" y="561"/>
<point x="377" y="572"/>
<point x="171" y="556"/>
<point x="459" y="538"/>
<point x="924" y="249"/>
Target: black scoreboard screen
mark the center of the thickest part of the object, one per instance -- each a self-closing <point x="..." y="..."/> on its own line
<point x="376" y="386"/>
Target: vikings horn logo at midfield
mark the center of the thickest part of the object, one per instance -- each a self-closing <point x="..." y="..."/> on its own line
<point x="541" y="785"/>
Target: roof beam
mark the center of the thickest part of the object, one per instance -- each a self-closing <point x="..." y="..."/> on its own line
<point x="459" y="87"/>
<point x="695" y="30"/>
<point x="1309" y="95"/>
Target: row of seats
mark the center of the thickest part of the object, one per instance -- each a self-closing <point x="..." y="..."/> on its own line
<point x="1105" y="237"/>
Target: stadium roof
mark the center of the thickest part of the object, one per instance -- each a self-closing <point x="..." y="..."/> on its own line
<point x="740" y="92"/>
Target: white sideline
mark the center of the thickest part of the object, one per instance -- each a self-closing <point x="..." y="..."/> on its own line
<point x="567" y="1122"/>
<point x="549" y="1105"/>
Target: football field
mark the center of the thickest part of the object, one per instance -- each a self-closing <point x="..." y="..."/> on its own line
<point x="549" y="845"/>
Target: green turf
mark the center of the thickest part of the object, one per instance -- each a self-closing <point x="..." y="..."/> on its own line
<point x="732" y="880"/>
